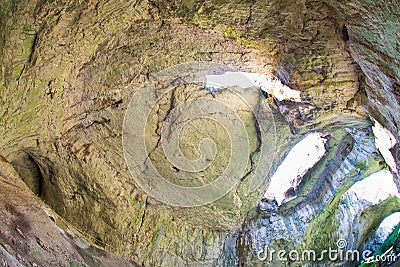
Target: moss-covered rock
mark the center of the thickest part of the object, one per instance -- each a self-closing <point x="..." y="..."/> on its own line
<point x="70" y="68"/>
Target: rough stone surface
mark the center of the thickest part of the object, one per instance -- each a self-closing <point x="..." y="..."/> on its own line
<point x="70" y="68"/>
<point x="29" y="235"/>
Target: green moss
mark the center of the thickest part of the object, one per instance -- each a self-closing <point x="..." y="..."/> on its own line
<point x="288" y="60"/>
<point x="17" y="71"/>
<point x="374" y="165"/>
<point x="28" y="44"/>
<point x="321" y="230"/>
<point x="318" y="171"/>
<point x="319" y="237"/>
<point x="28" y="30"/>
<point x="345" y="201"/>
<point x="156" y="239"/>
<point x="231" y="33"/>
<point x="374" y="214"/>
<point x="389" y="242"/>
<point x="361" y="164"/>
<point x="206" y="9"/>
<point x="102" y="236"/>
<point x="6" y="7"/>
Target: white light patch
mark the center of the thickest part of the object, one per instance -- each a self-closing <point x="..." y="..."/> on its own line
<point x="272" y="85"/>
<point x="387" y="225"/>
<point x="375" y="188"/>
<point x="302" y="157"/>
<point x="384" y="230"/>
<point x="267" y="83"/>
<point x="228" y="79"/>
<point x="384" y="140"/>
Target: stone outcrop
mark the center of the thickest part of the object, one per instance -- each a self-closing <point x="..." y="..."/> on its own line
<point x="30" y="237"/>
<point x="70" y="69"/>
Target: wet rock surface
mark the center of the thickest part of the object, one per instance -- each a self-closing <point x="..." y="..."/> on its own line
<point x="299" y="226"/>
<point x="70" y="68"/>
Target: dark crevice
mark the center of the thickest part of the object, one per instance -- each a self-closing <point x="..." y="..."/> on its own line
<point x="345" y="34"/>
<point x="30" y="172"/>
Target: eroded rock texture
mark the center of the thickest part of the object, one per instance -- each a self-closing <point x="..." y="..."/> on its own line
<point x="30" y="236"/>
<point x="70" y="68"/>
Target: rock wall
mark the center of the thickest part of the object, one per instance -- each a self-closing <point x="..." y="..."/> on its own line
<point x="30" y="237"/>
<point x="70" y="68"/>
